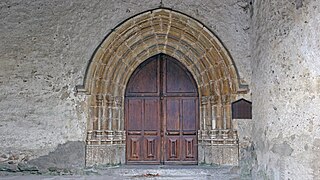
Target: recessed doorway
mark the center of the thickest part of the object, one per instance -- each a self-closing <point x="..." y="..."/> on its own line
<point x="161" y="113"/>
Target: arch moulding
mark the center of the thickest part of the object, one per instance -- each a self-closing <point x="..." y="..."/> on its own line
<point x="134" y="41"/>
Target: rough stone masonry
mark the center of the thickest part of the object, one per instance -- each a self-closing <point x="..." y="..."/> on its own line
<point x="46" y="46"/>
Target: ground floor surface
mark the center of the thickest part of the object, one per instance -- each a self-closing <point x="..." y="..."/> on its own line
<point x="142" y="172"/>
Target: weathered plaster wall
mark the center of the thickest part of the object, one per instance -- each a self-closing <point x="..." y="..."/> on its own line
<point x="246" y="151"/>
<point x="286" y="88"/>
<point x="44" y="51"/>
<point x="229" y="20"/>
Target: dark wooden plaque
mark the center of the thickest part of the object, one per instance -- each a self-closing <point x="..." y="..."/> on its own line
<point x="242" y="109"/>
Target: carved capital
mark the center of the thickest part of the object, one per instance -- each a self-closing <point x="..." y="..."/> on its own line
<point x="204" y="100"/>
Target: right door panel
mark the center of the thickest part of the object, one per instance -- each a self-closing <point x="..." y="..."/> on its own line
<point x="180" y="115"/>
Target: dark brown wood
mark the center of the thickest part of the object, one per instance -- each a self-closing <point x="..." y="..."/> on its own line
<point x="180" y="116"/>
<point x="177" y="82"/>
<point x="161" y="113"/>
<point x="145" y="79"/>
<point x="242" y="109"/>
<point x="143" y="129"/>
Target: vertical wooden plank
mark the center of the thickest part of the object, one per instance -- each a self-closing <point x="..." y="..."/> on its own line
<point x="189" y="114"/>
<point x="152" y="114"/>
<point x="135" y="114"/>
<point x="173" y="108"/>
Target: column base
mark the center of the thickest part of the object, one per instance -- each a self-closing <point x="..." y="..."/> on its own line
<point x="218" y="147"/>
<point x="105" y="154"/>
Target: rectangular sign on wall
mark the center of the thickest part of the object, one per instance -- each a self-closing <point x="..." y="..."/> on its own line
<point x="242" y="109"/>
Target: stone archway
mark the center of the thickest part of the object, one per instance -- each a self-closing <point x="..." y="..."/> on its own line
<point x="134" y="41"/>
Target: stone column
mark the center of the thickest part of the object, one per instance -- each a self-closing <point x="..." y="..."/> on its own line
<point x="104" y="117"/>
<point x="227" y="114"/>
<point x="219" y="114"/>
<point x="223" y="115"/>
<point x="119" y="133"/>
<point x="90" y="123"/>
<point x="109" y="130"/>
<point x="213" y="112"/>
<point x="100" y="111"/>
<point x="109" y="114"/>
<point x="203" y="109"/>
<point x="99" y="118"/>
<point x="118" y="108"/>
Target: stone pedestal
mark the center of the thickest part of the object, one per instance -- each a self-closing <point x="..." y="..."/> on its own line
<point x="218" y="154"/>
<point x="108" y="154"/>
<point x="219" y="147"/>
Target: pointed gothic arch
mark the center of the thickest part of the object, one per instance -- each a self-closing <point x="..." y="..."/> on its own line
<point x="134" y="41"/>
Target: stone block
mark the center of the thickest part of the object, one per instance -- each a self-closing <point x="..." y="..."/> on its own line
<point x="8" y="167"/>
<point x="105" y="155"/>
<point x="27" y="167"/>
<point x="218" y="154"/>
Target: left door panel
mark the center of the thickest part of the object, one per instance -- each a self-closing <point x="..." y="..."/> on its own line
<point x="143" y="130"/>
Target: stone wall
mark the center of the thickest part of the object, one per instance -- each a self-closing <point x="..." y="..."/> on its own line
<point x="45" y="48"/>
<point x="286" y="88"/>
<point x="246" y="149"/>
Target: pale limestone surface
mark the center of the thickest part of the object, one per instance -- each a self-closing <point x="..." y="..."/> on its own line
<point x="46" y="46"/>
<point x="230" y="21"/>
<point x="286" y="88"/>
<point x="246" y="148"/>
<point x="147" y="172"/>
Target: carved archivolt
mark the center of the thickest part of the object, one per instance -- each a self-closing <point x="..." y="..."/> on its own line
<point x="143" y="36"/>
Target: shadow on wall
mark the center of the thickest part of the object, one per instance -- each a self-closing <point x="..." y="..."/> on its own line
<point x="68" y="158"/>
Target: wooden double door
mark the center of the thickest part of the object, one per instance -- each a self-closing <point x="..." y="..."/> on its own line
<point x="161" y="114"/>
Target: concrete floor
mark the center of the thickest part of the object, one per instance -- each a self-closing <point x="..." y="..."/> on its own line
<point x="145" y="172"/>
